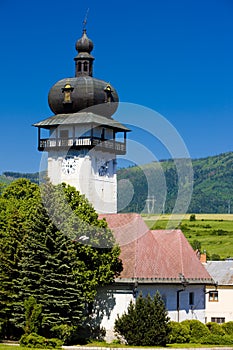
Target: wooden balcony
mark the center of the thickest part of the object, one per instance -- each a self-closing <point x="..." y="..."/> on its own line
<point x="83" y="142"/>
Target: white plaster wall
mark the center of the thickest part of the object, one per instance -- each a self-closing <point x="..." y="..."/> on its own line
<point x="122" y="299"/>
<point x="101" y="191"/>
<point x="221" y="308"/>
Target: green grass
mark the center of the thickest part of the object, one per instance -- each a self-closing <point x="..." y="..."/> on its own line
<point x="113" y="345"/>
<point x="213" y="231"/>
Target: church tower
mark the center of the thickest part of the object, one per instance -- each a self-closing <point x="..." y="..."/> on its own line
<point x="82" y="137"/>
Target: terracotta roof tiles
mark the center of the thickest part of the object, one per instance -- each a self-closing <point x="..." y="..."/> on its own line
<point x="159" y="254"/>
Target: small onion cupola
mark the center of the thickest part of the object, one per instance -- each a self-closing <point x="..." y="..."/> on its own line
<point x="84" y="60"/>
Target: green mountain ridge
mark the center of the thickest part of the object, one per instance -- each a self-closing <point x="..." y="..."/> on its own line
<point x="212" y="185"/>
<point x="158" y="183"/>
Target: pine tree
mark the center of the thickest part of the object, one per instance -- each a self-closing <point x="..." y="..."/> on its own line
<point x="145" y="323"/>
<point x="44" y="256"/>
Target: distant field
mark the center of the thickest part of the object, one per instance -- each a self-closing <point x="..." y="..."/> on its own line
<point x="214" y="232"/>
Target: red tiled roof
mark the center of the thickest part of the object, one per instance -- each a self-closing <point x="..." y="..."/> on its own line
<point x="126" y="227"/>
<point x="160" y="254"/>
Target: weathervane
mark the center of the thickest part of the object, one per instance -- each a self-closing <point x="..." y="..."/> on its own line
<point x="85" y="20"/>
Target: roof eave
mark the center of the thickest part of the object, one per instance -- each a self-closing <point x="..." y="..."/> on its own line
<point x="203" y="281"/>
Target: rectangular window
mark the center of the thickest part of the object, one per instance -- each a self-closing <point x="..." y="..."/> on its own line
<point x="218" y="319"/>
<point x="191" y="298"/>
<point x="213" y="295"/>
<point x="64" y="134"/>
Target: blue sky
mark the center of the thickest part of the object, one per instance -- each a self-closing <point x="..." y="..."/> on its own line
<point x="173" y="56"/>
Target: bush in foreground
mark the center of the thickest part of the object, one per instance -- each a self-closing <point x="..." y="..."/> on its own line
<point x="34" y="340"/>
<point x="145" y="323"/>
<point x="197" y="330"/>
<point x="179" y="333"/>
<point x="216" y="339"/>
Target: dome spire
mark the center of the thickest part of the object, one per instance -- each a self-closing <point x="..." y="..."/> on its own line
<point x="84" y="60"/>
<point x="85" y="20"/>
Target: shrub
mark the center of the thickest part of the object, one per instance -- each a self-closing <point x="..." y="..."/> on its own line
<point x="192" y="217"/>
<point x="64" y="332"/>
<point x="34" y="340"/>
<point x="32" y="315"/>
<point x="145" y="323"/>
<point x="215" y="328"/>
<point x="228" y="327"/>
<point x="197" y="330"/>
<point x="179" y="333"/>
<point x="217" y="339"/>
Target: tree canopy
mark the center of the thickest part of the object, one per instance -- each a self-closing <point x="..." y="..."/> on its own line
<point x="54" y="249"/>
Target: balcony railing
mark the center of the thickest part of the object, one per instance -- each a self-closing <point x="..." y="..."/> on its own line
<point x="76" y="143"/>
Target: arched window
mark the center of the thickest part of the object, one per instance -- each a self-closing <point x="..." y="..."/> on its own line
<point x="79" y="66"/>
<point x="85" y="66"/>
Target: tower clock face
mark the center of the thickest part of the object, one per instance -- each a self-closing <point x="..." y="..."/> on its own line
<point x="69" y="165"/>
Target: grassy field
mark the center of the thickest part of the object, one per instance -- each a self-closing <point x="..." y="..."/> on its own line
<point x="106" y="345"/>
<point x="213" y="231"/>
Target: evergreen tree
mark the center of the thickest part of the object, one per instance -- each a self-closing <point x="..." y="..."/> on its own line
<point x="145" y="323"/>
<point x="44" y="255"/>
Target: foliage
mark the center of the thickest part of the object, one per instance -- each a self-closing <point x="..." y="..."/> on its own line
<point x="196" y="245"/>
<point x="33" y="177"/>
<point x="197" y="330"/>
<point x="145" y="323"/>
<point x="215" y="257"/>
<point x="215" y="328"/>
<point x="228" y="327"/>
<point x="217" y="339"/>
<point x="32" y="315"/>
<point x="192" y="217"/>
<point x="44" y="261"/>
<point x="212" y="187"/>
<point x="34" y="340"/>
<point x="212" y="190"/>
<point x="200" y="232"/>
<point x="179" y="333"/>
<point x="64" y="332"/>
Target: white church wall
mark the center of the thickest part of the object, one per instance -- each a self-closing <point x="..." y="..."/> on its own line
<point x="85" y="173"/>
<point x="122" y="295"/>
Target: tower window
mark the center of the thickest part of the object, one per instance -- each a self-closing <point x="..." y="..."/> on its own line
<point x="85" y="67"/>
<point x="79" y="66"/>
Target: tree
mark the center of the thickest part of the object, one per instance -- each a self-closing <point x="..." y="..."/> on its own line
<point x="44" y="256"/>
<point x="145" y="323"/>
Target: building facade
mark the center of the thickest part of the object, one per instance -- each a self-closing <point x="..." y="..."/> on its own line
<point x="219" y="306"/>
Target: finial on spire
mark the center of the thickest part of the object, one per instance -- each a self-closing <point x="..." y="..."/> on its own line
<point x="85" y="20"/>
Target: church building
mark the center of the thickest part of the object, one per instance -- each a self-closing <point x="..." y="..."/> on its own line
<point x="83" y="141"/>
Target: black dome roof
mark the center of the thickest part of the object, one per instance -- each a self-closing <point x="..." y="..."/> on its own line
<point x="71" y="95"/>
<point x="86" y="92"/>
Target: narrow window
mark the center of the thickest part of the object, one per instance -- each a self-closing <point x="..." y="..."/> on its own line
<point x="79" y="66"/>
<point x="103" y="134"/>
<point x="85" y="66"/>
<point x="191" y="298"/>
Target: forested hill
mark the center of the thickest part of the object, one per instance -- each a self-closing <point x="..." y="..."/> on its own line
<point x="212" y="190"/>
<point x="212" y="187"/>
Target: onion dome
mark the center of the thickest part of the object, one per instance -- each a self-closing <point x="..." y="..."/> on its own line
<point x="84" y="44"/>
<point x="71" y="95"/>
